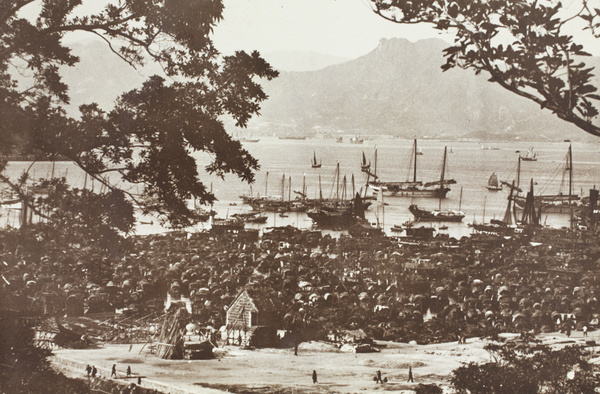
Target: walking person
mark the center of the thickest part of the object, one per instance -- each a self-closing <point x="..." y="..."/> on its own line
<point x="94" y="371"/>
<point x="113" y="371"/>
<point x="378" y="375"/>
<point x="314" y="376"/>
<point x="88" y="369"/>
<point x="410" y="375"/>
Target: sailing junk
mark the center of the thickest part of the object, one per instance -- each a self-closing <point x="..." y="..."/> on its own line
<point x="423" y="215"/>
<point x="314" y="163"/>
<point x="437" y="215"/>
<point x="555" y="203"/>
<point x="415" y="188"/>
<point x="365" y="165"/>
<point x="493" y="183"/>
<point x="338" y="212"/>
<point x="530" y="155"/>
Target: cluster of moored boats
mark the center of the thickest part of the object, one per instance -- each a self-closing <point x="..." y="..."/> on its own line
<point x="347" y="209"/>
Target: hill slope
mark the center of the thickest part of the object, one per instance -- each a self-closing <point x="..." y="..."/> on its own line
<point x="400" y="89"/>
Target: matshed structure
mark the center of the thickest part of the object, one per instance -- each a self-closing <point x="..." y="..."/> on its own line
<point x="252" y="320"/>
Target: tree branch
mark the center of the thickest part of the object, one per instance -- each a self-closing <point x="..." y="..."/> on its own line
<point x="25" y="199"/>
<point x="113" y="50"/>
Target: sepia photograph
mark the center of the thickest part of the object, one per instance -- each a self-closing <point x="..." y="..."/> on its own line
<point x="309" y="196"/>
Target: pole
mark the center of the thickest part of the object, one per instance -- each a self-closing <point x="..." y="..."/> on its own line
<point x="415" y="162"/>
<point x="570" y="158"/>
<point x="484" y="202"/>
<point x="266" y="183"/>
<point x="320" y="189"/>
<point x="337" y="182"/>
<point x="519" y="171"/>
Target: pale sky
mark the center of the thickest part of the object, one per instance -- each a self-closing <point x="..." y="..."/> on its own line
<point x="344" y="28"/>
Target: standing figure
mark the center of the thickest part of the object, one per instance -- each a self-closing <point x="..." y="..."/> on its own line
<point x="585" y="331"/>
<point x="314" y="376"/>
<point x="128" y="370"/>
<point x="410" y="375"/>
<point x="94" y="371"/>
<point x="88" y="369"/>
<point x="378" y="375"/>
<point x="113" y="371"/>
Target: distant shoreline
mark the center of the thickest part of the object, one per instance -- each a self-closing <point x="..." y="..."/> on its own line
<point x="35" y="158"/>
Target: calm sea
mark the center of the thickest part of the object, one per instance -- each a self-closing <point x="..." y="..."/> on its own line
<point x="469" y="163"/>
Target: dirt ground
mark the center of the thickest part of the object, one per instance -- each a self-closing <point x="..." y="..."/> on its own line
<point x="278" y="370"/>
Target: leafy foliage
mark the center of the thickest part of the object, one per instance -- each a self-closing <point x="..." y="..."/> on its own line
<point x="525" y="367"/>
<point x="24" y="367"/>
<point x="521" y="44"/>
<point x="148" y="139"/>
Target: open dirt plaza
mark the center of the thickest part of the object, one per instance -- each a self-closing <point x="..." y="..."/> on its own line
<point x="278" y="370"/>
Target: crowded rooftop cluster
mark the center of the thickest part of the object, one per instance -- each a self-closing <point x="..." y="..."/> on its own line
<point x="319" y="286"/>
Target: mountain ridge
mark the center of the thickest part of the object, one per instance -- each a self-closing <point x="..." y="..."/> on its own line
<point x="399" y="89"/>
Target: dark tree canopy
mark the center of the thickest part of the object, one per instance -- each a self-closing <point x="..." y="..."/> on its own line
<point x="528" y="367"/>
<point x="148" y="138"/>
<point x="522" y="44"/>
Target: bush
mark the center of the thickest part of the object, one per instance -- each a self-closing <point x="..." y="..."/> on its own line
<point x="428" y="389"/>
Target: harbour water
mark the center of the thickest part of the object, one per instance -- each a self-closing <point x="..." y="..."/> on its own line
<point x="469" y="163"/>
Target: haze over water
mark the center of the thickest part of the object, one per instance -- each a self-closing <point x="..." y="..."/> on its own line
<point x="468" y="163"/>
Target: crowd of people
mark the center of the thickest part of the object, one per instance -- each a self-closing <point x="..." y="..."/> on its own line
<point x="437" y="290"/>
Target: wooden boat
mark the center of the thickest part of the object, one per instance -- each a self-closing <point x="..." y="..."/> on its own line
<point x="423" y="215"/>
<point x="530" y="155"/>
<point x="292" y="137"/>
<point x="356" y="140"/>
<point x="251" y="217"/>
<point x="364" y="164"/>
<point x="493" y="183"/>
<point x="438" y="215"/>
<point x="338" y="213"/>
<point x="415" y="187"/>
<point x="556" y="203"/>
<point x="314" y="163"/>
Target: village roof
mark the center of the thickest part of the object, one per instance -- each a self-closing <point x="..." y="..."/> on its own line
<point x="262" y="299"/>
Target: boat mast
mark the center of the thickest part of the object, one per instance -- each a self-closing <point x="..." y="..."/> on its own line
<point x="460" y="200"/>
<point x="570" y="163"/>
<point x="320" y="189"/>
<point x="508" y="214"/>
<point x="484" y="202"/>
<point x="570" y="159"/>
<point x="266" y="183"/>
<point x="304" y="187"/>
<point x="290" y="189"/>
<point x="415" y="162"/>
<point x="519" y="172"/>
<point x="282" y="187"/>
<point x="442" y="177"/>
<point x="337" y="181"/>
<point x="375" y="159"/>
